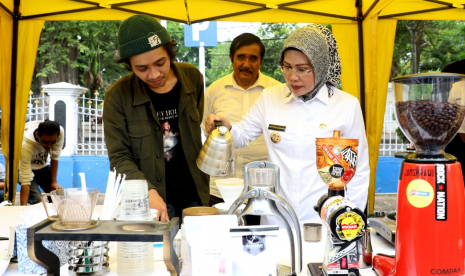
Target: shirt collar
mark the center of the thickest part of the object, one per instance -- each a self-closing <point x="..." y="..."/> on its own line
<point x="230" y="81"/>
<point x="322" y="96"/>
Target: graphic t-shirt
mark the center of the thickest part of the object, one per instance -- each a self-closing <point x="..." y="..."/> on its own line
<point x="180" y="186"/>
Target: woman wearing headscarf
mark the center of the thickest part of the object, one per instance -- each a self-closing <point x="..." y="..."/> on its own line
<point x="292" y="115"/>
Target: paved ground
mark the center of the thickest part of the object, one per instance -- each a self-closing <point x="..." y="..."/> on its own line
<point x="383" y="202"/>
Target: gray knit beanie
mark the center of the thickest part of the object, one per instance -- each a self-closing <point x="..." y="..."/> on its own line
<point x="319" y="45"/>
<point x="139" y="34"/>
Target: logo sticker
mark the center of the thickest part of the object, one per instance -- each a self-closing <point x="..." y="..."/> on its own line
<point x="441" y="192"/>
<point x="253" y="244"/>
<point x="336" y="171"/>
<point x="350" y="156"/>
<point x="154" y="40"/>
<point x="420" y="193"/>
<point x="337" y="150"/>
<point x="349" y="225"/>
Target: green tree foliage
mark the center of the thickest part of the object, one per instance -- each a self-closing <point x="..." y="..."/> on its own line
<point x="70" y="50"/>
<point x="184" y="54"/>
<point x="445" y="43"/>
<point x="219" y="63"/>
<point x="426" y="46"/>
<point x="82" y="52"/>
<point x="273" y="36"/>
<point x="57" y="41"/>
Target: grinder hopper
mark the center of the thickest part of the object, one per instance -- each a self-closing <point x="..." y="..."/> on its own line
<point x="429" y="109"/>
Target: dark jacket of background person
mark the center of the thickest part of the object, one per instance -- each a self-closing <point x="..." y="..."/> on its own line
<point x="134" y="136"/>
<point x="456" y="146"/>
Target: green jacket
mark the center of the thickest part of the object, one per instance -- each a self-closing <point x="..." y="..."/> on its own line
<point x="134" y="137"/>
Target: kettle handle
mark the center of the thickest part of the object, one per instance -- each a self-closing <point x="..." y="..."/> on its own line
<point x="227" y="166"/>
<point x="218" y="123"/>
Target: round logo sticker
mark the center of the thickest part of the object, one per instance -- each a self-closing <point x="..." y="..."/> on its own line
<point x="420" y="193"/>
<point x="336" y="171"/>
<point x="275" y="137"/>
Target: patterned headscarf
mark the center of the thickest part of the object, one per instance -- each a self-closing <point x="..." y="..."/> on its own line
<point x="320" y="47"/>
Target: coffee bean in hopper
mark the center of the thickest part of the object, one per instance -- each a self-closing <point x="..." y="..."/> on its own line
<point x="430" y="124"/>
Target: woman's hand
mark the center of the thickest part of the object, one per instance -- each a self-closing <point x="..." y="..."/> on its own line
<point x="210" y="122"/>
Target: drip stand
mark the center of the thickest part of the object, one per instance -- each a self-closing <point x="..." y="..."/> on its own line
<point x="107" y="230"/>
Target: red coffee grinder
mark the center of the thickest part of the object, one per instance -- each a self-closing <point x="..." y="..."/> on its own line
<point x="430" y="235"/>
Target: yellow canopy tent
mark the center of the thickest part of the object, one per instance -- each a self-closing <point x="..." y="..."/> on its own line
<point x="364" y="29"/>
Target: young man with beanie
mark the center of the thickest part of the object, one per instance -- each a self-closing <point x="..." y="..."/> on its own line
<point x="41" y="140"/>
<point x="232" y="96"/>
<point x="152" y="119"/>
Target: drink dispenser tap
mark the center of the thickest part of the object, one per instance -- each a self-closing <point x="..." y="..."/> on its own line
<point x="261" y="188"/>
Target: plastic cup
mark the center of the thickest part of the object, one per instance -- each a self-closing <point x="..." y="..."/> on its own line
<point x="135" y="201"/>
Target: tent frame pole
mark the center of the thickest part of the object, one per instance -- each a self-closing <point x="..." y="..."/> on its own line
<point x="14" y="63"/>
<point x="370" y="8"/>
<point x="6" y="9"/>
<point x="361" y="58"/>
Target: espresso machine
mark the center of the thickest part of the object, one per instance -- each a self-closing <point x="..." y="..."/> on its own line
<point x="347" y="246"/>
<point x="430" y="220"/>
<point x="261" y="190"/>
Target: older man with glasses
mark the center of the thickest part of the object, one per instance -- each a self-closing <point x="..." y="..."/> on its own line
<point x="41" y="141"/>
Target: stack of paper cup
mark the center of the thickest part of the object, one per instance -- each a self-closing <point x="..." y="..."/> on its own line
<point x="135" y="258"/>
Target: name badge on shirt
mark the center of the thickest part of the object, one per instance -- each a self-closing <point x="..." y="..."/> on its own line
<point x="276" y="127"/>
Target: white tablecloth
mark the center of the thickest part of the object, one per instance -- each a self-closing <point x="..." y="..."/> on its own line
<point x="312" y="252"/>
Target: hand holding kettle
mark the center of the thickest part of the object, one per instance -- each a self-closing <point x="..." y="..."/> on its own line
<point x="217" y="157"/>
<point x="210" y="122"/>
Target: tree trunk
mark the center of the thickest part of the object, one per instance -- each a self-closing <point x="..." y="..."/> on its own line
<point x="65" y="72"/>
<point x="416" y="37"/>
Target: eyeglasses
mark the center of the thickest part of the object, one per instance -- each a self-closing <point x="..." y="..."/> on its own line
<point x="47" y="143"/>
<point x="298" y="71"/>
